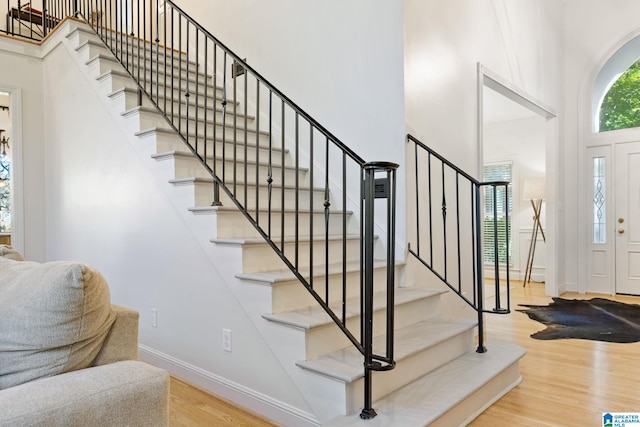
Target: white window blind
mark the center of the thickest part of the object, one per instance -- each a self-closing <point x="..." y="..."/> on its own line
<point x="500" y="205"/>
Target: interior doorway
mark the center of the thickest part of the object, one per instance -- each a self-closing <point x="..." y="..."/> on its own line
<point x="517" y="132"/>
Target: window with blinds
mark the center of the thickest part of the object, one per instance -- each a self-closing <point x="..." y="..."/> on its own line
<point x="500" y="205"/>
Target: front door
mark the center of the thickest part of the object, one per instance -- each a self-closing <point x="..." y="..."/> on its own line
<point x="627" y="218"/>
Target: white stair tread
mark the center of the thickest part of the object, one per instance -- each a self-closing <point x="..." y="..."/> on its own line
<point x="426" y="399"/>
<point x="315" y="316"/>
<point x="183" y="153"/>
<point x="196" y="179"/>
<point x="200" y="137"/>
<point x="287" y="239"/>
<point x="346" y="364"/>
<point x="282" y="276"/>
<point x="233" y="209"/>
<point x="210" y="121"/>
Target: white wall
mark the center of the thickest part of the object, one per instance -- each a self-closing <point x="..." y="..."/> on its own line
<point x="24" y="76"/>
<point x="519" y="41"/>
<point x="594" y="30"/>
<point x="105" y="207"/>
<point x="339" y="61"/>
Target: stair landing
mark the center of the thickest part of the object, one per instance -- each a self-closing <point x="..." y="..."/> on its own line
<point x="474" y="381"/>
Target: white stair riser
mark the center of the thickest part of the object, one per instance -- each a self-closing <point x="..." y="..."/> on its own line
<point x="78" y="36"/>
<point x="330" y="338"/>
<point x="189" y="166"/>
<point x="97" y="66"/>
<point x="112" y="81"/>
<point x="478" y="401"/>
<point x="233" y="225"/>
<point x="204" y="191"/>
<point x="165" y="141"/>
<point x="125" y="99"/>
<point x="136" y="54"/>
<point x="91" y="48"/>
<point x="146" y="119"/>
<point x="261" y="257"/>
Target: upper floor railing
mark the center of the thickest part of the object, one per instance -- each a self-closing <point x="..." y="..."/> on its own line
<point x="449" y="234"/>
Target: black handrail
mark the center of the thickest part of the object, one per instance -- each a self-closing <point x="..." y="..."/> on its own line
<point x="453" y="186"/>
<point x="233" y="120"/>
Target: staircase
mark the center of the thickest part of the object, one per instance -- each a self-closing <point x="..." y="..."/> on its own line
<point x="438" y="378"/>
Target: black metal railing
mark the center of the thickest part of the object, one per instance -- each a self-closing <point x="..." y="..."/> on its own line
<point x="34" y="22"/>
<point x="448" y="235"/>
<point x="255" y="142"/>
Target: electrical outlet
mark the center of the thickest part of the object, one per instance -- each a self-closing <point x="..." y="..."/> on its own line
<point x="226" y="340"/>
<point x="154" y="318"/>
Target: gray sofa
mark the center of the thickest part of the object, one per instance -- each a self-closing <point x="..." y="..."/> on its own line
<point x="68" y="357"/>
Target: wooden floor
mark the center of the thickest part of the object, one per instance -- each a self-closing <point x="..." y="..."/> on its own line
<point x="564" y="382"/>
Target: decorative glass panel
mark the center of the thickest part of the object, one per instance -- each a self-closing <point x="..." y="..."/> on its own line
<point x="5" y="194"/>
<point x="599" y="201"/>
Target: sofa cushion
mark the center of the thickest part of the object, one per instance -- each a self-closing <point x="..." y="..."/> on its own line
<point x="7" y="251"/>
<point x="54" y="318"/>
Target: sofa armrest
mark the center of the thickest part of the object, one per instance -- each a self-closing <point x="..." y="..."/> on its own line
<point x="122" y="341"/>
<point x="119" y="394"/>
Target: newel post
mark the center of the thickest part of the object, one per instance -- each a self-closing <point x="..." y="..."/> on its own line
<point x="377" y="188"/>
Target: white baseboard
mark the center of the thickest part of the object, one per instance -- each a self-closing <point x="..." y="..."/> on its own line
<point x="252" y="400"/>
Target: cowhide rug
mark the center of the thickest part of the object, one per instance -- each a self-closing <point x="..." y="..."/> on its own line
<point x="596" y="319"/>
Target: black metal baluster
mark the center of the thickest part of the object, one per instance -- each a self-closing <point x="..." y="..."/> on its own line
<point x="430" y="210"/>
<point x="173" y="89"/>
<point x="344" y="238"/>
<point x="444" y="222"/>
<point x="367" y="313"/>
<point x="164" y="43"/>
<point x="282" y="178"/>
<point x="327" y="205"/>
<point x="197" y="103"/>
<point x="187" y="89"/>
<point x="474" y="244"/>
<point x="173" y="66"/>
<point x="297" y="195"/>
<point x="508" y="241"/>
<point x="415" y="151"/>
<point x="257" y="183"/>
<point x="458" y="231"/>
<point x="206" y="101"/>
<point x="496" y="243"/>
<point x="391" y="249"/>
<point x="246" y="141"/>
<point x="269" y="167"/>
<point x="146" y="37"/>
<point x="224" y="117"/>
<point x="311" y="155"/>
<point x="480" y="282"/>
<point x="216" y="184"/>
<point x="235" y="131"/>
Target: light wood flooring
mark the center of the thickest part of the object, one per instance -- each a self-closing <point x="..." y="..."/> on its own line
<point x="564" y="382"/>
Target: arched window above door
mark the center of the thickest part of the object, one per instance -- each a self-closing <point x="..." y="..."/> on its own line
<point x="615" y="99"/>
<point x="620" y="108"/>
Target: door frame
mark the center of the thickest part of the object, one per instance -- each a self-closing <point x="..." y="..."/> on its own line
<point x="489" y="79"/>
<point x="17" y="171"/>
<point x="587" y="137"/>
